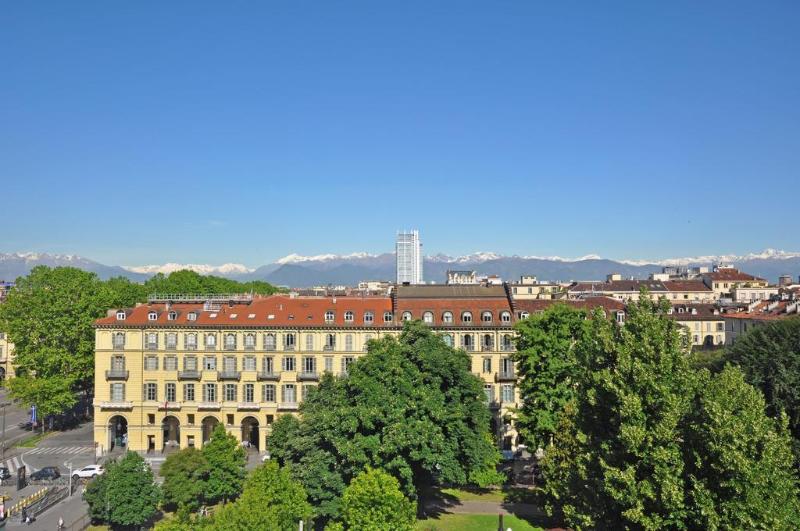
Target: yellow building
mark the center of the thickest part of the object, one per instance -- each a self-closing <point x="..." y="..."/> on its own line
<point x="703" y="323"/>
<point x="6" y="357"/>
<point x="724" y="279"/>
<point x="169" y="371"/>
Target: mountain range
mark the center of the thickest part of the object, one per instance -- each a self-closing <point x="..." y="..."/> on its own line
<point x="304" y="271"/>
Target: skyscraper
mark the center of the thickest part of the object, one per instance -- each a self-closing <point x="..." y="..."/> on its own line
<point x="409" y="257"/>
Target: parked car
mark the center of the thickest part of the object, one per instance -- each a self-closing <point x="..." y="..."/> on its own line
<point x="4" y="473"/>
<point x="88" y="472"/>
<point x="48" y="472"/>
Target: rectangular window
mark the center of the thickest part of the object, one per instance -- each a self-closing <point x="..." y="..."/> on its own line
<point x="346" y="362"/>
<point x="309" y="342"/>
<point x="506" y="366"/>
<point x="190" y="421"/>
<point x="191" y="341"/>
<point x="269" y="364"/>
<point x="328" y="364"/>
<point x="250" y="341"/>
<point x="117" y="392"/>
<point x="268" y="393"/>
<point x="230" y="392"/>
<point x="119" y="340"/>
<point x="229" y="364"/>
<point x="190" y="363"/>
<point x="507" y="393"/>
<point x="249" y="363"/>
<point x="188" y="392"/>
<point x="151" y="363"/>
<point x="289" y="395"/>
<point x="288" y="363"/>
<point x="151" y="340"/>
<point x="488" y="389"/>
<point x="210" y="363"/>
<point x="172" y="341"/>
<point x="309" y="364"/>
<point x="151" y="391"/>
<point x="209" y="392"/>
<point x="117" y="363"/>
<point x="170" y="363"/>
<point x="288" y="342"/>
<point x="170" y="392"/>
<point x="249" y="393"/>
<point x="487" y="364"/>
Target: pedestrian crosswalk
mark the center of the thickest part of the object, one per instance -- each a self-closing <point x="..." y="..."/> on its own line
<point x="12" y="464"/>
<point x="53" y="450"/>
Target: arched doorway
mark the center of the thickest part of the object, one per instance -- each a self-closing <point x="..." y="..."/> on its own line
<point x="171" y="428"/>
<point x="708" y="341"/>
<point x="250" y="432"/>
<point x="208" y="425"/>
<point x="117" y="432"/>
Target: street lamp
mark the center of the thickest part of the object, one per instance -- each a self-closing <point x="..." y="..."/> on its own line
<point x="3" y="444"/>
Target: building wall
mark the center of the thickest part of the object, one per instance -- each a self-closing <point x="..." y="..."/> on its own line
<point x="6" y="357"/>
<point x="144" y="417"/>
<point x="705" y="333"/>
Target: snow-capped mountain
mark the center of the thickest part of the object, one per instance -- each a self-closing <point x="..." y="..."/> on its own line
<point x="301" y="271"/>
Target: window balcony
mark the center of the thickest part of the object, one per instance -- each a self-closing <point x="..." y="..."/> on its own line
<point x="268" y="376"/>
<point x="211" y="347"/>
<point x="117" y="374"/>
<point x="487" y="348"/>
<point x="191" y="346"/>
<point x="327" y="348"/>
<point x="308" y="376"/>
<point x="230" y="347"/>
<point x="114" y="404"/>
<point x="189" y="375"/>
<point x="288" y="348"/>
<point x="170" y="406"/>
<point x="250" y="347"/>
<point x="469" y="348"/>
<point x="269" y="348"/>
<point x="229" y="375"/>
<point x="507" y="348"/>
<point x="172" y="346"/>
<point x="209" y="405"/>
<point x="119" y="346"/>
<point x="151" y="346"/>
<point x="248" y="406"/>
<point x="289" y="406"/>
<point x="505" y="376"/>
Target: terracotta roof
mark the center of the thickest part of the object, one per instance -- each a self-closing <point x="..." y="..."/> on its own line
<point x="685" y="285"/>
<point x="762" y="312"/>
<point x="732" y="275"/>
<point x="457" y="306"/>
<point x="437" y="291"/>
<point x="276" y="310"/>
<point x="632" y="286"/>
<point x="588" y="303"/>
<point x="703" y="312"/>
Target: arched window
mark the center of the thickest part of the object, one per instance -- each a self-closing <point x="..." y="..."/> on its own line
<point x="486" y="317"/>
<point x="288" y="342"/>
<point x="152" y="341"/>
<point x="369" y="317"/>
<point x="387" y="317"/>
<point x="192" y="316"/>
<point x="348" y="342"/>
<point x="119" y="340"/>
<point x="190" y="341"/>
<point x="487" y="342"/>
<point x="330" y="341"/>
<point x="447" y="317"/>
<point x="329" y="316"/>
<point x="269" y="341"/>
<point x="508" y="343"/>
<point x="505" y="317"/>
<point x="349" y="316"/>
<point x="427" y="317"/>
<point x="211" y="341"/>
<point x="406" y="316"/>
<point x="467" y="342"/>
<point x="152" y="316"/>
<point x="230" y="341"/>
<point x="448" y="339"/>
<point x="121" y="315"/>
<point x="524" y="315"/>
<point x="466" y="317"/>
<point x="172" y="315"/>
<point x="250" y="341"/>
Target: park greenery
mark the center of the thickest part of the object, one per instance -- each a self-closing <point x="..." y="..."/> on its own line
<point x="125" y="495"/>
<point x="410" y="407"/>
<point x="647" y="441"/>
<point x="373" y="501"/>
<point x="49" y="315"/>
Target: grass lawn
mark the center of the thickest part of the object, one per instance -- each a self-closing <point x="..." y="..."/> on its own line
<point x="33" y="440"/>
<point x="473" y="522"/>
<point x="493" y="495"/>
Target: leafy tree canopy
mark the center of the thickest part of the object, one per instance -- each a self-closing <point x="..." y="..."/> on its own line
<point x="186" y="281"/>
<point x="409" y="406"/>
<point x="126" y="494"/>
<point x="184" y="474"/>
<point x="373" y="502"/>
<point x="225" y="459"/>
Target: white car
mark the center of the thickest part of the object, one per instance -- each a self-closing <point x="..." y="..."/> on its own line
<point x="88" y="472"/>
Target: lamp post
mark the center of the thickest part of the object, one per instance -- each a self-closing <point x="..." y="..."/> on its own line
<point x="3" y="445"/>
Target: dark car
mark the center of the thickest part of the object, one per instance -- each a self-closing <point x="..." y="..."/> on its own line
<point x="4" y="472"/>
<point x="48" y="472"/>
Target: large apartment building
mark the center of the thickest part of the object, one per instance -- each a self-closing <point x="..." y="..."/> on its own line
<point x="169" y="371"/>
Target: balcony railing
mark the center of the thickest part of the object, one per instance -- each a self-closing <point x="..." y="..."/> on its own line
<point x="288" y="347"/>
<point x="114" y="404"/>
<point x="170" y="406"/>
<point x="487" y="348"/>
<point x="507" y="348"/>
<point x="269" y="348"/>
<point x="269" y="376"/>
<point x="289" y="406"/>
<point x="250" y="406"/>
<point x="308" y="376"/>
<point x="249" y="347"/>
<point x="151" y="346"/>
<point x="229" y="375"/>
<point x="211" y="347"/>
<point x="209" y="405"/>
<point x="117" y="374"/>
<point x="172" y="346"/>
<point x="191" y="346"/>
<point x="506" y="376"/>
<point x="119" y="346"/>
<point x="189" y="375"/>
<point x="469" y="348"/>
<point x="327" y="348"/>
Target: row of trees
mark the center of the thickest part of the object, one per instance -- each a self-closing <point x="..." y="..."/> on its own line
<point x="637" y="438"/>
<point x="49" y="316"/>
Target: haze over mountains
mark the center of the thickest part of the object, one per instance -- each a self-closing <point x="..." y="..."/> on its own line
<point x="304" y="271"/>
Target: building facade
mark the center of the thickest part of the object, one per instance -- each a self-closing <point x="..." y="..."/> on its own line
<point x="408" y="249"/>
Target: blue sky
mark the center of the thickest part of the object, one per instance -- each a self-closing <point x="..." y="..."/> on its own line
<point x="146" y="132"/>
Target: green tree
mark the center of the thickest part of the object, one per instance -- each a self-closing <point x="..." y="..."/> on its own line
<point x="226" y="460"/>
<point x="124" y="293"/>
<point x="739" y="462"/>
<point x="769" y="356"/>
<point x="126" y="494"/>
<point x="373" y="502"/>
<point x="627" y="469"/>
<point x="185" y="281"/>
<point x="184" y="474"/>
<point x="271" y="499"/>
<point x="49" y="317"/>
<point x="547" y="367"/>
<point x="410" y="406"/>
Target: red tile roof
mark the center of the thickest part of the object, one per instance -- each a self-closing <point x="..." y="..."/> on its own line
<point x="686" y="285"/>
<point x="457" y="306"/>
<point x="588" y="303"/>
<point x="733" y="275"/>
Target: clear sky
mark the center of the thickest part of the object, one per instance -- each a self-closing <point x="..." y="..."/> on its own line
<point x="146" y="132"/>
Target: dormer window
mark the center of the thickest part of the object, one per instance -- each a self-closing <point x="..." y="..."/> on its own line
<point x="329" y="316"/>
<point x="447" y="317"/>
<point x="680" y="310"/>
<point x="171" y="316"/>
<point x="121" y="315"/>
<point x="466" y="317"/>
<point x="349" y="316"/>
<point x="192" y="316"/>
<point x="524" y="315"/>
<point x="406" y="316"/>
<point x="387" y="317"/>
<point x="427" y="317"/>
<point x="152" y="316"/>
<point x="669" y="311"/>
<point x="369" y="317"/>
<point x="620" y="317"/>
<point x="694" y="311"/>
<point x="486" y="317"/>
<point x="505" y="317"/>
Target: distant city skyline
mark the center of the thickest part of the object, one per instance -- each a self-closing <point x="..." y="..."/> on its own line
<point x="153" y="133"/>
